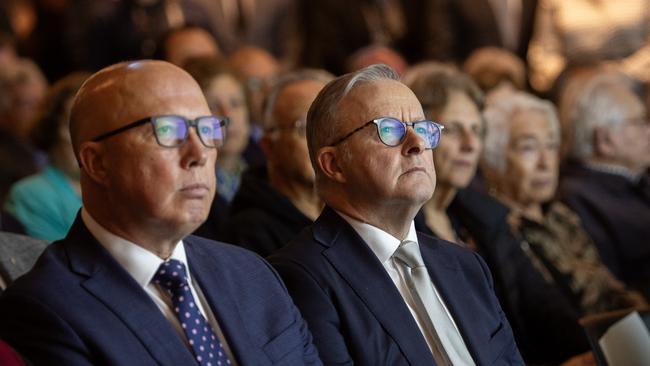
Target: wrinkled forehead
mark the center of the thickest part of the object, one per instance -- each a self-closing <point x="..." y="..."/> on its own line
<point x="382" y="98"/>
<point x="119" y="96"/>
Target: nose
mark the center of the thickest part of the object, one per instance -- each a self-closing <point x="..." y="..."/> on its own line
<point x="543" y="162"/>
<point x="468" y="140"/>
<point x="413" y="144"/>
<point x="194" y="153"/>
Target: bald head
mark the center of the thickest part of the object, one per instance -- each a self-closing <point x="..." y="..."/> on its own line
<point x="129" y="91"/>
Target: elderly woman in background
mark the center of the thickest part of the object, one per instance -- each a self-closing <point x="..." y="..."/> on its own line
<point x="521" y="164"/>
<point x="544" y="323"/>
<point x="47" y="203"/>
<point x="226" y="97"/>
<point x="453" y="99"/>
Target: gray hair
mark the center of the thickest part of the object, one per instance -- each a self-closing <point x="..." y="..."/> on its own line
<point x="597" y="107"/>
<point x="283" y="82"/>
<point x="498" y="116"/>
<point x="323" y="123"/>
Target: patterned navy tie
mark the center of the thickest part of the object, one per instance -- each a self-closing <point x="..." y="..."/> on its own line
<point x="207" y="348"/>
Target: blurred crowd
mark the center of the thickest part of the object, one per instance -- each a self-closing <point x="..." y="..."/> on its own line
<point x="542" y="167"/>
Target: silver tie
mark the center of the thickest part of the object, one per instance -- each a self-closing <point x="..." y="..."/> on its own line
<point x="446" y="343"/>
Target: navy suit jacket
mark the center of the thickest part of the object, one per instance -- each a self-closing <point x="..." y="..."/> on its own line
<point x="357" y="315"/>
<point x="78" y="306"/>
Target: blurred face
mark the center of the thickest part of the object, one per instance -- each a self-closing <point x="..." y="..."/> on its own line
<point x="190" y="43"/>
<point x="226" y="98"/>
<point x="287" y="150"/>
<point x="166" y="189"/>
<point x="630" y="140"/>
<point x="375" y="173"/>
<point x="532" y="159"/>
<point x="458" y="153"/>
<point x="258" y="68"/>
<point x="27" y="95"/>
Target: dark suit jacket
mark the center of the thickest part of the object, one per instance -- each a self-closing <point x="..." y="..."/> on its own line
<point x="18" y="253"/>
<point x="616" y="214"/>
<point x="357" y="314"/>
<point x="78" y="306"/>
<point x="455" y="28"/>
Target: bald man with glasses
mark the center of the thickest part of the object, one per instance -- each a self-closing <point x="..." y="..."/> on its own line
<point x="129" y="285"/>
<point x="373" y="291"/>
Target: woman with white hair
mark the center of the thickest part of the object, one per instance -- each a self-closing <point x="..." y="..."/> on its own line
<point x="521" y="165"/>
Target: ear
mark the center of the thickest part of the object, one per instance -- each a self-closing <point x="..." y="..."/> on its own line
<point x="91" y="158"/>
<point x="603" y="143"/>
<point x="329" y="160"/>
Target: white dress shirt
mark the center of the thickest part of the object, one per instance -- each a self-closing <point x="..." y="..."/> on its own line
<point x="384" y="245"/>
<point x="142" y="265"/>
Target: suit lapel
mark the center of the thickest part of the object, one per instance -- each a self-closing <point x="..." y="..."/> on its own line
<point x="117" y="290"/>
<point x="215" y="284"/>
<point x="361" y="269"/>
<point x="453" y="287"/>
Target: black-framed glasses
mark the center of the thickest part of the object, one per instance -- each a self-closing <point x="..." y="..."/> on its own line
<point x="172" y="130"/>
<point x="300" y="126"/>
<point x="392" y="131"/>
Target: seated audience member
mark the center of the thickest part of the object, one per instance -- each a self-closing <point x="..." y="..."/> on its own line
<point x="521" y="161"/>
<point x="179" y="45"/>
<point x="257" y="69"/>
<point x="18" y="254"/>
<point x="493" y="67"/>
<point x="278" y="200"/>
<point x="608" y="186"/>
<point x="544" y="324"/>
<point x="452" y="99"/>
<point x="225" y="96"/>
<point x="22" y="87"/>
<point x="9" y="357"/>
<point x="373" y="291"/>
<point x="128" y="286"/>
<point x="47" y="203"/>
<point x="376" y="54"/>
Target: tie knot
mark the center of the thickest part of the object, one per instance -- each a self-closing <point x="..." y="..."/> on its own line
<point x="171" y="275"/>
<point x="408" y="253"/>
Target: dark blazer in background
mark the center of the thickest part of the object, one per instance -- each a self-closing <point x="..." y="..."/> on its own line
<point x="615" y="212"/>
<point x="452" y="29"/>
<point x="261" y="218"/>
<point x="78" y="306"/>
<point x="356" y="313"/>
<point x="18" y="253"/>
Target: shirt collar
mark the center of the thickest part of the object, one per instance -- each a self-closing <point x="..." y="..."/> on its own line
<point x="380" y="242"/>
<point x="140" y="263"/>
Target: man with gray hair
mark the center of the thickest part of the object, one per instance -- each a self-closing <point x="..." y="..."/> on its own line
<point x="373" y="291"/>
<point x="608" y="184"/>
<point x="278" y="200"/>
